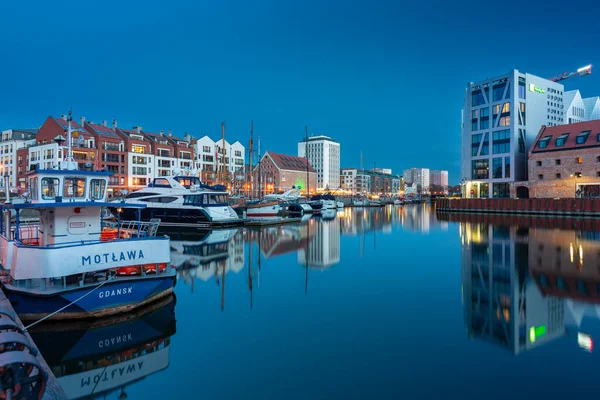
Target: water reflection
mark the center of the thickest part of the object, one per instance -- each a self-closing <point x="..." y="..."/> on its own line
<point x="528" y="281"/>
<point x="93" y="359"/>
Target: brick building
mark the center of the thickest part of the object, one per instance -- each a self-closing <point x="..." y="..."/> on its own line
<point x="279" y="172"/>
<point x="564" y="162"/>
<point x="112" y="153"/>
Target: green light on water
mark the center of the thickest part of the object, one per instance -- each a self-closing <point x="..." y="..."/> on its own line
<point x="536" y="332"/>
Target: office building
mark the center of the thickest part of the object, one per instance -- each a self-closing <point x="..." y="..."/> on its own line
<point x="323" y="153"/>
<point x="501" y="119"/>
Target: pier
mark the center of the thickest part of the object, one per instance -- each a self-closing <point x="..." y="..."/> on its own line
<point x="556" y="207"/>
<point x="53" y="391"/>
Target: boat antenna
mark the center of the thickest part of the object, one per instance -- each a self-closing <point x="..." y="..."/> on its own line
<point x="68" y="161"/>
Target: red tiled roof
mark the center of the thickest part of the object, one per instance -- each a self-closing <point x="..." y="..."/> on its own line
<point x="290" y="163"/>
<point x="103" y="130"/>
<point x="554" y="132"/>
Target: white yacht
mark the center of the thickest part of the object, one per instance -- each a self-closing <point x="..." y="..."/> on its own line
<point x="180" y="200"/>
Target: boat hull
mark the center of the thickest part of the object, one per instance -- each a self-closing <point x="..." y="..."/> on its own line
<point x="118" y="296"/>
<point x="268" y="210"/>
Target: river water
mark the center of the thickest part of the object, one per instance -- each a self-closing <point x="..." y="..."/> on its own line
<point x="369" y="303"/>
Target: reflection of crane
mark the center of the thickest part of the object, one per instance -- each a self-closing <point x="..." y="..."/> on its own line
<point x="587" y="70"/>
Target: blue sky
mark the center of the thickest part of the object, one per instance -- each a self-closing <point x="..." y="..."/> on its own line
<point x="384" y="77"/>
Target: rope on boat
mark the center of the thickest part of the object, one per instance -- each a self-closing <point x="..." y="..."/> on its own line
<point x="71" y="303"/>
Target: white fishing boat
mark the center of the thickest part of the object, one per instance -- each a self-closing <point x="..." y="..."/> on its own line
<point x="69" y="265"/>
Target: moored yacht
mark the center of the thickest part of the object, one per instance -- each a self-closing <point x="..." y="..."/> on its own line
<point x="69" y="265"/>
<point x="180" y="200"/>
<point x="327" y="200"/>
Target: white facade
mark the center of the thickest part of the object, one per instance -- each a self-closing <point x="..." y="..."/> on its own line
<point x="324" y="157"/>
<point x="592" y="107"/>
<point x="11" y="141"/>
<point x="418" y="176"/>
<point x="438" y="177"/>
<point x="208" y="150"/>
<point x="323" y="251"/>
<point x="139" y="169"/>
<point x="500" y="119"/>
<point x="580" y="109"/>
<point x="348" y="179"/>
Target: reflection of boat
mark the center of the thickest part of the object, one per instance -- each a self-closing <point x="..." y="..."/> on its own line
<point x="180" y="200"/>
<point x="398" y="202"/>
<point x="328" y="215"/>
<point x="100" y="357"/>
<point x="276" y="241"/>
<point x="339" y="204"/>
<point x="202" y="248"/>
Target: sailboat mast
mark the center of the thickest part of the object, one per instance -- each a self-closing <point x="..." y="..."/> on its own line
<point x="223" y="151"/>
<point x="250" y="155"/>
<point x="307" y="163"/>
<point x="260" y="180"/>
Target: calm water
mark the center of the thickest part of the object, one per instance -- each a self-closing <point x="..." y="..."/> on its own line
<point x="378" y="303"/>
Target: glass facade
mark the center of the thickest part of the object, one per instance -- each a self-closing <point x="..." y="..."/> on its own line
<point x="501" y="190"/>
<point x="507" y="167"/>
<point x="501" y="141"/>
<point x="497" y="168"/>
<point x="480" y="169"/>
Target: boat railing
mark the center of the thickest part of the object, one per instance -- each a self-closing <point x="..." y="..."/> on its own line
<point x="142" y="228"/>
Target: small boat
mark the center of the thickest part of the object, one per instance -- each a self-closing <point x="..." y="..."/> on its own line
<point x="273" y="205"/>
<point x="375" y="203"/>
<point x="68" y="264"/>
<point x="360" y="202"/>
<point x="327" y="201"/>
<point x="398" y="202"/>
<point x="339" y="205"/>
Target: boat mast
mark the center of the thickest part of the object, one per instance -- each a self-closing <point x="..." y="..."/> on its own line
<point x="250" y="155"/>
<point x="223" y="165"/>
<point x="68" y="161"/>
<point x="260" y="181"/>
<point x="307" y="163"/>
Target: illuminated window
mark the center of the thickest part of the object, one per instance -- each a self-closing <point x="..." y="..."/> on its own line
<point x="138" y="149"/>
<point x="97" y="188"/>
<point x="50" y="187"/>
<point x="579" y="160"/>
<point x="74" y="187"/>
<point x="505" y="107"/>
<point x="504" y="121"/>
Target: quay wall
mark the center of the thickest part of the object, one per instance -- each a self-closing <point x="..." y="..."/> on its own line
<point x="566" y="207"/>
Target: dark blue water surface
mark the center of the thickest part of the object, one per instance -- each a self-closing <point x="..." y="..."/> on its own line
<point x="371" y="303"/>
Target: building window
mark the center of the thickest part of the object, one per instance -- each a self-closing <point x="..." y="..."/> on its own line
<point x="598" y="159"/>
<point x="474" y="125"/>
<point x="538" y="163"/>
<point x="477" y="98"/>
<point x="497" y="168"/>
<point x="138" y="149"/>
<point x="543" y="143"/>
<point x="475" y="142"/>
<point x="480" y="169"/>
<point x="521" y="140"/>
<point x="504" y="121"/>
<point x="501" y="141"/>
<point x="540" y="176"/>
<point x="557" y="176"/>
<point x="507" y="167"/>
<point x="556" y="162"/>
<point x="521" y="89"/>
<point x="582" y="137"/>
<point x="560" y="141"/>
<point x="579" y="160"/>
<point x="498" y="91"/>
<point x="485" y="147"/>
<point x="598" y="173"/>
<point x="501" y="190"/>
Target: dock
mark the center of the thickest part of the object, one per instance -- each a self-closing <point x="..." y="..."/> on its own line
<point x="571" y="207"/>
<point x="53" y="390"/>
<point x="262" y="222"/>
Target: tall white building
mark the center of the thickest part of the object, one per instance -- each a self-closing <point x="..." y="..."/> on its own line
<point x="500" y="120"/>
<point x="210" y="155"/>
<point x="580" y="109"/>
<point x="11" y="141"/>
<point x="438" y="178"/>
<point x="418" y="176"/>
<point x="324" y="157"/>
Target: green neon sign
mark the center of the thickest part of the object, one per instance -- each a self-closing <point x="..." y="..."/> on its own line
<point x="533" y="88"/>
<point x="535" y="332"/>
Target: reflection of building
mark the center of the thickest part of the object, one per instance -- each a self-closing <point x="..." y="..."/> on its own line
<point x="276" y="241"/>
<point x="565" y="263"/>
<point x="501" y="303"/>
<point x="323" y="250"/>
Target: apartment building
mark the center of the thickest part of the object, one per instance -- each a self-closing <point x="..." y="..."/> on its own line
<point x="220" y="162"/>
<point x="12" y="142"/>
<point x="323" y="153"/>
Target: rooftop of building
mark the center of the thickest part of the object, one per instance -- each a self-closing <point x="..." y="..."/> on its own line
<point x="290" y="163"/>
<point x="567" y="137"/>
<point x="103" y="130"/>
<point x="318" y="138"/>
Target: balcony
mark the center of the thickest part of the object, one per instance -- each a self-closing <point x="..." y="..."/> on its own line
<point x="186" y="156"/>
<point x="111" y="147"/>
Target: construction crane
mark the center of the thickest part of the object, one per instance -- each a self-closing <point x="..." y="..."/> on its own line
<point x="587" y="70"/>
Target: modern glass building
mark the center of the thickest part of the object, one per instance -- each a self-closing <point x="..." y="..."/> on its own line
<point x="500" y="119"/>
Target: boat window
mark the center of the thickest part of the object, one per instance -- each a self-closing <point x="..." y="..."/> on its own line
<point x="50" y="187"/>
<point x="163" y="199"/>
<point x="74" y="187"/>
<point x="187" y="182"/>
<point x="33" y="186"/>
<point x="192" y="199"/>
<point x="161" y="182"/>
<point x="139" y="194"/>
<point x="97" y="187"/>
<point x="217" y="199"/>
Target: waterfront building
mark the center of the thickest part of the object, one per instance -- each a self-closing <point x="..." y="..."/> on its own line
<point x="12" y="168"/>
<point x="220" y="162"/>
<point x="112" y="153"/>
<point x="370" y="182"/>
<point x="418" y="176"/>
<point x="438" y="181"/>
<point x="387" y="171"/>
<point x="564" y="162"/>
<point x="323" y="153"/>
<point x="277" y="173"/>
<point x="501" y="118"/>
<point x="348" y="179"/>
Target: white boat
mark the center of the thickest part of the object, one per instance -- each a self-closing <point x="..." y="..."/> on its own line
<point x="273" y="205"/>
<point x="361" y="202"/>
<point x="69" y="265"/>
<point x="179" y="200"/>
<point x="327" y="200"/>
<point x="339" y="205"/>
<point x="398" y="202"/>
